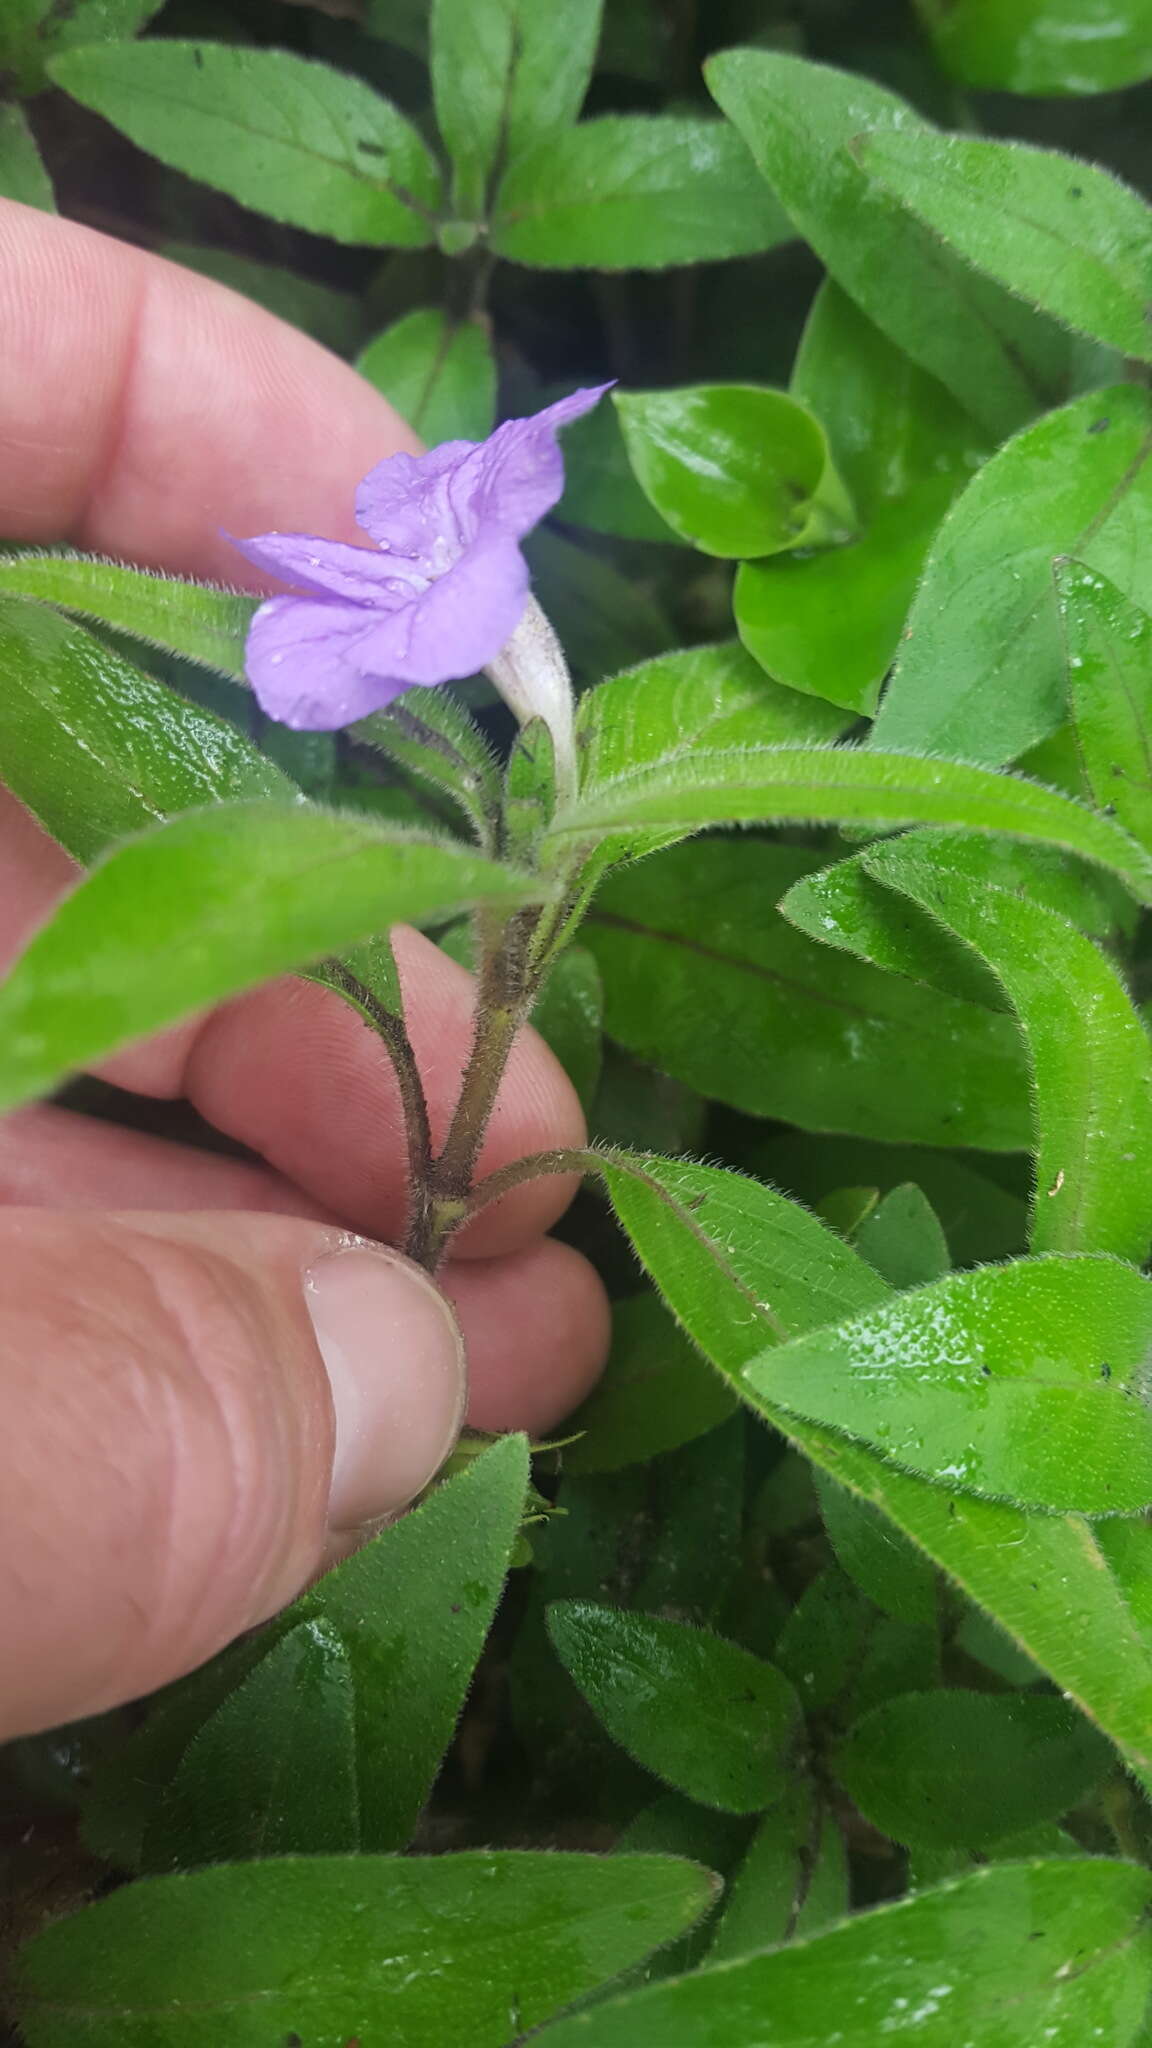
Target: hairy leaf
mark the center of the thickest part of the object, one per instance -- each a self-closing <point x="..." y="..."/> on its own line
<point x="635" y="192"/>
<point x="415" y="1951"/>
<point x="308" y="145"/>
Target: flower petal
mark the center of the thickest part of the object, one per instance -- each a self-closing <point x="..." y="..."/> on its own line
<point x="301" y="662"/>
<point x="330" y="569"/>
<point x="431" y="507"/>
<point x="517" y="475"/>
<point x="467" y="616"/>
<point x="409" y="506"/>
<point x="459" y="623"/>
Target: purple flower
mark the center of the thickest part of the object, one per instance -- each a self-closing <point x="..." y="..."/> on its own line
<point x="437" y="598"/>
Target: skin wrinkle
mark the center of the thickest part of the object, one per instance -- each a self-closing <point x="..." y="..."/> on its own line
<point x="106" y="458"/>
<point x="213" y="1312"/>
<point x="149" y="1425"/>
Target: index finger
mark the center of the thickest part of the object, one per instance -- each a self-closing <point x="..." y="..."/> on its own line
<point x="144" y="408"/>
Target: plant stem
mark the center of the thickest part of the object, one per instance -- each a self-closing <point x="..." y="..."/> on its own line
<point x="534" y="1166"/>
<point x="393" y="1034"/>
<point x="504" y="997"/>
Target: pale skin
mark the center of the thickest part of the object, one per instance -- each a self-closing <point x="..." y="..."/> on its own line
<point x="167" y="1441"/>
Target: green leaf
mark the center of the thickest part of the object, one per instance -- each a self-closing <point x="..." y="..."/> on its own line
<point x="96" y="749"/>
<point x="849" y="786"/>
<point x="209" y="904"/>
<point x="98" y="21"/>
<point x="1046" y="1579"/>
<point x="193" y="620"/>
<point x="844" y="1657"/>
<point x="656" y="1393"/>
<point x="802" y="122"/>
<point x="1061" y="233"/>
<point x="705" y="1715"/>
<point x="675" y="1826"/>
<point x="902" y="1238"/>
<point x="981" y="673"/>
<point x="695" y="1552"/>
<point x="635" y="192"/>
<point x="331" y="316"/>
<point x="705" y="980"/>
<point x="896" y="1576"/>
<point x="296" y="140"/>
<point x="529" y="791"/>
<point x="600" y="488"/>
<point x="1025" y="1381"/>
<point x="505" y="75"/>
<point x="891" y="426"/>
<point x="751" y="1267"/>
<point x="735" y="469"/>
<point x="1043" y="46"/>
<point x="965" y="1769"/>
<point x="829" y="621"/>
<point x="665" y="710"/>
<point x="735" y="1260"/>
<point x="1109" y="643"/>
<point x="1062" y="1956"/>
<point x="569" y="1015"/>
<point x="414" y="1951"/>
<point x="440" y="374"/>
<point x="1090" y="1055"/>
<point x="432" y="736"/>
<point x="845" y="906"/>
<point x="273" y="1772"/>
<point x="389" y="1642"/>
<point x="792" y="1883"/>
<point x="23" y="175"/>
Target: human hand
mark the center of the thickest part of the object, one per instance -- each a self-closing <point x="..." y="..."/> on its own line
<point x="206" y="1382"/>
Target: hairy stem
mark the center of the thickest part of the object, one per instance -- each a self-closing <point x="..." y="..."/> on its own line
<point x="504" y="997"/>
<point x="534" y="1166"/>
<point x="393" y="1034"/>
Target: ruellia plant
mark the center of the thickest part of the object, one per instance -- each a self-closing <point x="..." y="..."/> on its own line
<point x="763" y="708"/>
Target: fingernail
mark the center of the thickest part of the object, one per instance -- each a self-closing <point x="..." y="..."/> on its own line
<point x="395" y="1362"/>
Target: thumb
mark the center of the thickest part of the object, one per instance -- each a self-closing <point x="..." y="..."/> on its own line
<point x="191" y="1406"/>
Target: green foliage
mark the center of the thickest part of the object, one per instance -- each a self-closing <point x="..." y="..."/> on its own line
<point x="164" y="926"/>
<point x="191" y="620"/>
<point x="792" y="1883"/>
<point x="805" y="124"/>
<point x="703" y="977"/>
<point x="1043" y="46"/>
<point x="735" y="470"/>
<point x="1037" y="1369"/>
<point x="506" y="74"/>
<point x="1109" y="643"/>
<point x="328" y="1947"/>
<point x="982" y="675"/>
<point x="967" y="1770"/>
<point x="1089" y="1053"/>
<point x="97" y="749"/>
<point x="837" y="1588"/>
<point x="846" y="786"/>
<point x="635" y="192"/>
<point x="703" y="1714"/>
<point x="300" y="142"/>
<point x="363" y="1680"/>
<point x="656" y="1393"/>
<point x="829" y="620"/>
<point x="1065" y="236"/>
<point x="22" y="172"/>
<point x="1059" y="1947"/>
<point x="439" y="375"/>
